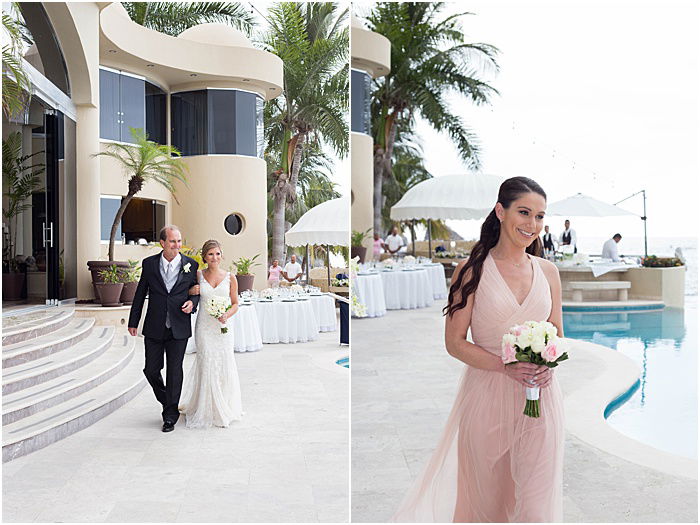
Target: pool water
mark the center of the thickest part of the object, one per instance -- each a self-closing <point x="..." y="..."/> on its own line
<point x="662" y="411"/>
<point x="344" y="362"/>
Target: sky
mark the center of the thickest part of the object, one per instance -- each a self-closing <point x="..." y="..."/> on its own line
<point x="595" y="97"/>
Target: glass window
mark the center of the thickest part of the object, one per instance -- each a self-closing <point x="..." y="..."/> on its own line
<point x="133" y="105"/>
<point x="156" y="126"/>
<point x="217" y="121"/>
<point x="360" y="102"/>
<point x="143" y="219"/>
<point x="109" y="105"/>
<point x="108" y="210"/>
<point x="234" y="224"/>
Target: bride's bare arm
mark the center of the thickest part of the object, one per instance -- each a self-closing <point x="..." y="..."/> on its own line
<point x="233" y="292"/>
<point x="194" y="290"/>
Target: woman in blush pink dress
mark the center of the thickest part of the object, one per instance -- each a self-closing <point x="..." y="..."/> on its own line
<point x="493" y="463"/>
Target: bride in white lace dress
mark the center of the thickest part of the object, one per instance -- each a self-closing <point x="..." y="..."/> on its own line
<point x="212" y="393"/>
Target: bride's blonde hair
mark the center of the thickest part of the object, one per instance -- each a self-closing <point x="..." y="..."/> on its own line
<point x="211" y="243"/>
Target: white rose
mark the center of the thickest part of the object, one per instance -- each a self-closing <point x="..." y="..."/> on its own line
<point x="509" y="339"/>
<point x="524" y="339"/>
<point x="538" y="345"/>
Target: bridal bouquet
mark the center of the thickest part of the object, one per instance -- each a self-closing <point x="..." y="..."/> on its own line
<point x="533" y="342"/>
<point x="218" y="306"/>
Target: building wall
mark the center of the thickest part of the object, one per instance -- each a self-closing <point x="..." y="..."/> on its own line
<point x="362" y="185"/>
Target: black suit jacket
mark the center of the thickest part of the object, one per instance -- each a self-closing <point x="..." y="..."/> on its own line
<point x="160" y="301"/>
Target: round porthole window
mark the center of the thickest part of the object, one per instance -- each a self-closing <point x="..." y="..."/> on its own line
<point x="234" y="224"/>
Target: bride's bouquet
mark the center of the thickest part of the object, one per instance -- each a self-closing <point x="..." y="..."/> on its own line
<point x="533" y="342"/>
<point x="217" y="306"/>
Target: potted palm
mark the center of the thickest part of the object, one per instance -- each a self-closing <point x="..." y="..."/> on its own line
<point x="20" y="180"/>
<point x="243" y="276"/>
<point x="110" y="289"/>
<point x="130" y="278"/>
<point x="356" y="248"/>
<point x="142" y="161"/>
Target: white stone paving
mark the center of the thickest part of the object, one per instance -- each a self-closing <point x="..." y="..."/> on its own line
<point x="403" y="386"/>
<point x="287" y="461"/>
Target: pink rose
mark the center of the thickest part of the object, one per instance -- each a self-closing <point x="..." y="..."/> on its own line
<point x="508" y="355"/>
<point x="517" y="330"/>
<point x="551" y="352"/>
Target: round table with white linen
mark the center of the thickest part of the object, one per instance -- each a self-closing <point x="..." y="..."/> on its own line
<point x="286" y="321"/>
<point x="370" y="292"/>
<point x="246" y="330"/>
<point x="324" y="309"/>
<point x="406" y="289"/>
<point x="437" y="279"/>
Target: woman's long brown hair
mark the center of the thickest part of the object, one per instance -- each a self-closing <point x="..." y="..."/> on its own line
<point x="509" y="191"/>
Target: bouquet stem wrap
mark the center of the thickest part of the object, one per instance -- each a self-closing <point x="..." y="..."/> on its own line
<point x="532" y="403"/>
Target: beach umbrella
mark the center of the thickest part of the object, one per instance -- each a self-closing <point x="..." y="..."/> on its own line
<point x="460" y="197"/>
<point x="326" y="223"/>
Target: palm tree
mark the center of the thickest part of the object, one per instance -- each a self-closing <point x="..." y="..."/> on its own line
<point x="144" y="161"/>
<point x="312" y="39"/>
<point x="172" y="18"/>
<point x="15" y="82"/>
<point x="429" y="61"/>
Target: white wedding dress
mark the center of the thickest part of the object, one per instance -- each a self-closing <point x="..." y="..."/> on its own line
<point x="211" y="394"/>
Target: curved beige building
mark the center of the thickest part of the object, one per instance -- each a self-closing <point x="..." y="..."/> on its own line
<point x="371" y="58"/>
<point x="201" y="92"/>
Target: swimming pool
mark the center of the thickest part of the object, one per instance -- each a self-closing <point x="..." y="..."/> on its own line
<point x="662" y="410"/>
<point x="344" y="362"/>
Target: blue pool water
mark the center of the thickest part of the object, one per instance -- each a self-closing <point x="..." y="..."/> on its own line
<point x="662" y="411"/>
<point x="345" y="362"/>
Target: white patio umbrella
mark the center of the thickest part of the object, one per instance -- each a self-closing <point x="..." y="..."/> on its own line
<point x="466" y="196"/>
<point x="326" y="224"/>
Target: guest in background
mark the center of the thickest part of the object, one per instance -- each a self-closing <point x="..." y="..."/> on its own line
<point x="547" y="242"/>
<point x="377" y="247"/>
<point x="610" y="248"/>
<point x="568" y="236"/>
<point x="292" y="270"/>
<point x="275" y="272"/>
<point x="394" y="242"/>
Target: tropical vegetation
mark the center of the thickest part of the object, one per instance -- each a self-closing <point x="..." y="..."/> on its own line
<point x="15" y="82"/>
<point x="172" y="18"/>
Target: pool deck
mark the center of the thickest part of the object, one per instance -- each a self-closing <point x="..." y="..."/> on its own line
<point x="403" y="386"/>
<point x="287" y="460"/>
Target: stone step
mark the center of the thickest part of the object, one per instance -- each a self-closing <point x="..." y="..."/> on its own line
<point x="48" y="426"/>
<point x="24" y="403"/>
<point x="26" y="351"/>
<point x="31" y="373"/>
<point x="33" y="325"/>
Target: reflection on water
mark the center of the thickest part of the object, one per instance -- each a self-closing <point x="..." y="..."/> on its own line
<point x="663" y="411"/>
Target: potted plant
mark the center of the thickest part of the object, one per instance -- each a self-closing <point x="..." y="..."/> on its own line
<point x="142" y="161"/>
<point x="356" y="248"/>
<point x="110" y="289"/>
<point x="243" y="276"/>
<point x="20" y="181"/>
<point x="130" y="278"/>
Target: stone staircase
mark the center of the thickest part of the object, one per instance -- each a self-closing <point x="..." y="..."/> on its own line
<point x="61" y="374"/>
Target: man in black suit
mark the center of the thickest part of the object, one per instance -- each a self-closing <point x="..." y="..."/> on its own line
<point x="166" y="278"/>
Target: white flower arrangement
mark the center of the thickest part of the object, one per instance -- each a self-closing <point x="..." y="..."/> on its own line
<point x="357" y="309"/>
<point x="186" y="268"/>
<point x="354" y="266"/>
<point x="388" y="264"/>
<point x="409" y="259"/>
<point x="217" y="306"/>
<point x="295" y="288"/>
<point x="340" y="282"/>
<point x="267" y="293"/>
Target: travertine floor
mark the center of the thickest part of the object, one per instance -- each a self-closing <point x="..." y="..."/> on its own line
<point x="403" y="386"/>
<point x="286" y="461"/>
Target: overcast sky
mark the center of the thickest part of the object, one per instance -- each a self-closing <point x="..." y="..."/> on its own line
<point x="598" y="97"/>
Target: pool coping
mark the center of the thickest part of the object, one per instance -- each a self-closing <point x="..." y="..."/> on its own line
<point x="585" y="405"/>
<point x="613" y="306"/>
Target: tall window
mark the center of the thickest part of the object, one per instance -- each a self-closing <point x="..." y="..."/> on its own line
<point x="217" y="121"/>
<point x="127" y="101"/>
<point x="142" y="219"/>
<point x="360" y="121"/>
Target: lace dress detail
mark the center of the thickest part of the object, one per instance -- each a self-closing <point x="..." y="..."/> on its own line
<point x="212" y="393"/>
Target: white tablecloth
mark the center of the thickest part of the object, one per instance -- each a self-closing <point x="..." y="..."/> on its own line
<point x="246" y="330"/>
<point x="324" y="309"/>
<point x="437" y="279"/>
<point x="407" y="289"/>
<point x="287" y="322"/>
<point x="370" y="292"/>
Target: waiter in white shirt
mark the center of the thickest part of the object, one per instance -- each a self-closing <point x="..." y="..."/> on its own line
<point x="610" y="248"/>
<point x="292" y="270"/>
<point x="568" y="236"/>
<point x="394" y="242"/>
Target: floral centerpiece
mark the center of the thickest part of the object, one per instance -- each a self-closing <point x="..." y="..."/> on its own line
<point x="216" y="306"/>
<point x="354" y="267"/>
<point x="267" y="293"/>
<point x="533" y="342"/>
<point x="356" y="307"/>
<point x="409" y="259"/>
<point x="388" y="264"/>
<point x="295" y="288"/>
<point x="340" y="279"/>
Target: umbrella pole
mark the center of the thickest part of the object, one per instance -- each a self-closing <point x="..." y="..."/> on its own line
<point x="413" y="236"/>
<point x="328" y="263"/>
<point x="644" y="197"/>
<point x="430" y="240"/>
<point x="308" y="281"/>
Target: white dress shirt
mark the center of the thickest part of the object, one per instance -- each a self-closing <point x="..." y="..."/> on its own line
<point x="292" y="269"/>
<point x="573" y="237"/>
<point x="610" y="250"/>
<point x="394" y="242"/>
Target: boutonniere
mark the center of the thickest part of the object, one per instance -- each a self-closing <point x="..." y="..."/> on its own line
<point x="186" y="268"/>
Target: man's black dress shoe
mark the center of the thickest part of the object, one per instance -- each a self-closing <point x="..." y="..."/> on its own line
<point x="168" y="426"/>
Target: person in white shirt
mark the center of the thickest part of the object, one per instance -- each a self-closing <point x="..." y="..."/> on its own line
<point x="292" y="270"/>
<point x="394" y="242"/>
<point x="568" y="236"/>
<point x="610" y="248"/>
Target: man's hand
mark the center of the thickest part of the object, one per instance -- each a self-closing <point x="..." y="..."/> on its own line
<point x="133" y="331"/>
<point x="187" y="307"/>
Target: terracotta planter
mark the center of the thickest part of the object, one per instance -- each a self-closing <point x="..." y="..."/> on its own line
<point x="109" y="293"/>
<point x="360" y="251"/>
<point x="245" y="282"/>
<point x="128" y="292"/>
<point x="13" y="285"/>
<point x="96" y="266"/>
